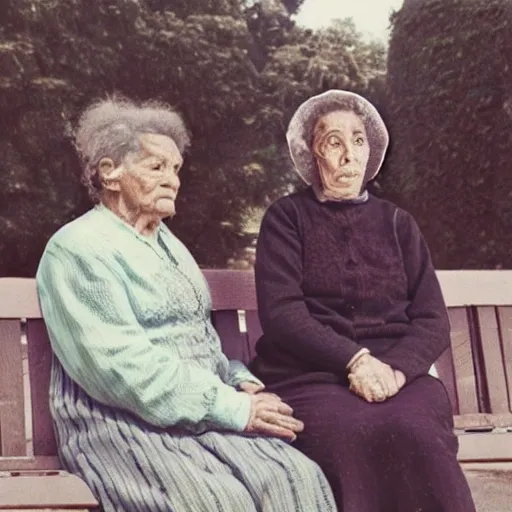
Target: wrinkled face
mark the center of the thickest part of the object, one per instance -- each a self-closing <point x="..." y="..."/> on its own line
<point x="341" y="149"/>
<point x="149" y="182"/>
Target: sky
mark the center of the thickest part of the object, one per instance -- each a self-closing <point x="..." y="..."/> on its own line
<point x="370" y="16"/>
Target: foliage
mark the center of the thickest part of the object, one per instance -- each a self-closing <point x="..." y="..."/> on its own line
<point x="450" y="111"/>
<point x="236" y="74"/>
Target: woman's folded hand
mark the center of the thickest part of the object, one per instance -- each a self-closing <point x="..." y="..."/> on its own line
<point x="251" y="387"/>
<point x="374" y="380"/>
<point x="270" y="416"/>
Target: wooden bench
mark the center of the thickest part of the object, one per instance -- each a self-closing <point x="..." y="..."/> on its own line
<point x="477" y="372"/>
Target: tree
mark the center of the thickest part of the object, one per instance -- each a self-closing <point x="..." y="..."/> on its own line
<point x="236" y="83"/>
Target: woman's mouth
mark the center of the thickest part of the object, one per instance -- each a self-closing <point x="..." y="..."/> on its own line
<point x="346" y="178"/>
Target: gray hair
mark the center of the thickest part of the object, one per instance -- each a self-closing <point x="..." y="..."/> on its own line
<point x="111" y="128"/>
<point x="300" y="132"/>
<point x="322" y="109"/>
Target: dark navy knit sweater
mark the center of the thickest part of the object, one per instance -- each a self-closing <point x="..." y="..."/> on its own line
<point x="335" y="277"/>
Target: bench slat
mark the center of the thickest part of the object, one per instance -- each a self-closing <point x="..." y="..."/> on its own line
<point x="18" y="298"/>
<point x="464" y="368"/>
<point x="476" y="287"/>
<point x="12" y="413"/>
<point x="444" y="370"/>
<point x="253" y="331"/>
<point x="232" y="289"/>
<point x="493" y="359"/>
<point x="505" y="322"/>
<point x="39" y="360"/>
<point x="234" y="342"/>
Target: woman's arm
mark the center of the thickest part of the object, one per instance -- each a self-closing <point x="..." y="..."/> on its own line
<point x="97" y="338"/>
<point x="239" y="373"/>
<point x="429" y="329"/>
<point x="282" y="309"/>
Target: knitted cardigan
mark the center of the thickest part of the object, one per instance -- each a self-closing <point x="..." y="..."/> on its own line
<point x="129" y="319"/>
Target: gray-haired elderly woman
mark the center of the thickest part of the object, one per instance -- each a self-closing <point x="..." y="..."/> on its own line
<point x="146" y="407"/>
<point x="353" y="318"/>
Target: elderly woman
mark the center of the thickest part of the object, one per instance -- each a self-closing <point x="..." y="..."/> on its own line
<point x="146" y="407"/>
<point x="353" y="318"/>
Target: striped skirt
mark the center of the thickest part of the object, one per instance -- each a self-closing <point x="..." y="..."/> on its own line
<point x="131" y="466"/>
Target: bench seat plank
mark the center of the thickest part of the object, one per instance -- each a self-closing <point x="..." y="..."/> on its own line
<point x="34" y="463"/>
<point x="484" y="447"/>
<point x="58" y="490"/>
<point x="478" y="421"/>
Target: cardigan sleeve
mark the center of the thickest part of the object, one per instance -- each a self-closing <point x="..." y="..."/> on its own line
<point x="283" y="312"/>
<point x="96" y="336"/>
<point x="428" y="334"/>
<point x="239" y="373"/>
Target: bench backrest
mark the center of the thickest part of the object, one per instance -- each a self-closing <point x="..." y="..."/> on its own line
<point x="476" y="370"/>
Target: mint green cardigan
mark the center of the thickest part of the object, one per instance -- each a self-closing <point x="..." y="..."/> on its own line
<point x="129" y="319"/>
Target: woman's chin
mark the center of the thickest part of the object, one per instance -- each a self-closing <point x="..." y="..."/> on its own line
<point x="342" y="192"/>
<point x="165" y="207"/>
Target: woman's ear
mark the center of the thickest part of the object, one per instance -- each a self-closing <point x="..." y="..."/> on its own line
<point x="109" y="174"/>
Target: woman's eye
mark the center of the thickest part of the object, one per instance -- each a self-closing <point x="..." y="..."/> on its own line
<point x="157" y="167"/>
<point x="334" y="142"/>
<point x="360" y="141"/>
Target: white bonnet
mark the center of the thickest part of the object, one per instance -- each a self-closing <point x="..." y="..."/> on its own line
<point x="300" y="130"/>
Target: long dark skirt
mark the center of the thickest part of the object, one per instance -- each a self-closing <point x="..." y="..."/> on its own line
<point x="394" y="456"/>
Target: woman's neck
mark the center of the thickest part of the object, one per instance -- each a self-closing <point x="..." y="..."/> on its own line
<point x="144" y="223"/>
<point x="320" y="195"/>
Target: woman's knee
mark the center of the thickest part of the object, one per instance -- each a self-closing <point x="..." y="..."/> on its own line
<point x="302" y="476"/>
<point x="423" y="422"/>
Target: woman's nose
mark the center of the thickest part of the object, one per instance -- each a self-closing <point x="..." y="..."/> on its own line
<point x="171" y="179"/>
<point x="175" y="181"/>
<point x="348" y="153"/>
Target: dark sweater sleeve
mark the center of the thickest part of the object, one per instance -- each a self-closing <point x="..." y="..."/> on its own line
<point x="429" y="329"/>
<point x="283" y="312"/>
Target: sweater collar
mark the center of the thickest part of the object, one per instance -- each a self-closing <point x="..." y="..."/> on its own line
<point x="123" y="225"/>
<point x="320" y="196"/>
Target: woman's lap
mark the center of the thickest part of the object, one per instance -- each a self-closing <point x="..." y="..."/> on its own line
<point x="134" y="469"/>
<point x="331" y="406"/>
<point x="373" y="452"/>
<point x="131" y="466"/>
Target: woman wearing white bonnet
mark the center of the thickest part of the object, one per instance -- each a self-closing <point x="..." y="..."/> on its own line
<point x="353" y="318"/>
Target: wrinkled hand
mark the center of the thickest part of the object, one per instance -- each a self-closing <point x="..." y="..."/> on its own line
<point x="374" y="380"/>
<point x="400" y="379"/>
<point x="251" y="387"/>
<point x="270" y="416"/>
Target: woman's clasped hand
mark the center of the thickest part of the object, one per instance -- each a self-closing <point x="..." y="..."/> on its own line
<point x="373" y="380"/>
<point x="270" y="416"/>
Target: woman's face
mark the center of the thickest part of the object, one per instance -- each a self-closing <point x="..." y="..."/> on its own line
<point x="149" y="183"/>
<point x="341" y="149"/>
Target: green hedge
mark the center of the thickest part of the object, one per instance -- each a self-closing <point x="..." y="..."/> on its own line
<point x="449" y="107"/>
